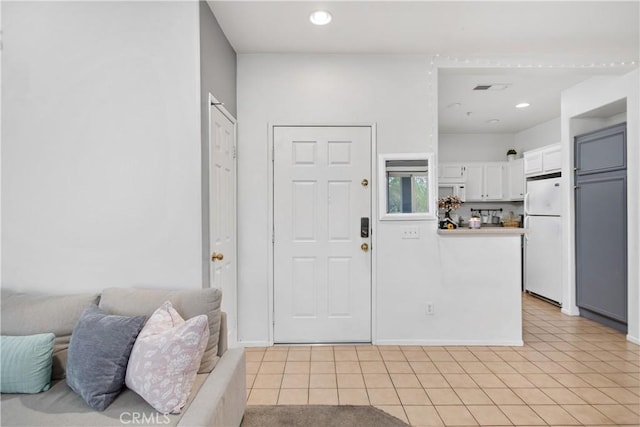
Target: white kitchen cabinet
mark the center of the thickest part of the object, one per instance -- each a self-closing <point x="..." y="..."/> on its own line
<point x="475" y="183"/>
<point x="485" y="181"/>
<point x="451" y="172"/>
<point x="552" y="159"/>
<point x="543" y="160"/>
<point x="516" y="179"/>
<point x="532" y="162"/>
<point x="494" y="181"/>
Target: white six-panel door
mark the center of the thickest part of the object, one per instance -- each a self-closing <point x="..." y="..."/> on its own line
<point x="322" y="272"/>
<point x="222" y="212"/>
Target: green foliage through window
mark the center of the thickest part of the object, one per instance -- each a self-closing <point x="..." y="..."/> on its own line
<point x="407" y="193"/>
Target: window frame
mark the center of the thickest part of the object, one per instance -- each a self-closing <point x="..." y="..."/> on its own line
<point x="383" y="174"/>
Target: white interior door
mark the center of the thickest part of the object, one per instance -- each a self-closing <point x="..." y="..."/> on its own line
<point x="322" y="273"/>
<point x="222" y="211"/>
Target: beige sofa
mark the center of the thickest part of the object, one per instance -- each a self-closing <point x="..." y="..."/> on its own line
<point x="218" y="398"/>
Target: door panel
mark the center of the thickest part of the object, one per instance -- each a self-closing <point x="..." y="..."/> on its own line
<point x="602" y="151"/>
<point x="304" y="198"/>
<point x="339" y="300"/>
<point x="339" y="208"/>
<point x="543" y="257"/>
<point x="544" y="197"/>
<point x="601" y="246"/>
<point x="494" y="182"/>
<point x="475" y="182"/>
<point x="322" y="277"/>
<point x="222" y="212"/>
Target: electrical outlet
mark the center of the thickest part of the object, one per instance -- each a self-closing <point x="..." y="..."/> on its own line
<point x="410" y="233"/>
<point x="430" y="309"/>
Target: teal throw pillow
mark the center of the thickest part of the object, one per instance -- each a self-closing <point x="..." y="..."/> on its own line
<point x="26" y="363"/>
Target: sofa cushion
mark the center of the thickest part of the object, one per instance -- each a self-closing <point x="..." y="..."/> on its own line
<point x="62" y="407"/>
<point x="29" y="314"/>
<point x="166" y="357"/>
<point x="98" y="355"/>
<point x="189" y="303"/>
<point x="26" y="363"/>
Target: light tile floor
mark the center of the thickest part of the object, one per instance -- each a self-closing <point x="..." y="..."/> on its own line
<point x="571" y="371"/>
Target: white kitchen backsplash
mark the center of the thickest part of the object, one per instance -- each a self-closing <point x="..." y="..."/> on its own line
<point x="465" y="210"/>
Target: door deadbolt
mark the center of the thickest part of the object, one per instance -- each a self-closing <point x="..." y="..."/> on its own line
<point x="364" y="227"/>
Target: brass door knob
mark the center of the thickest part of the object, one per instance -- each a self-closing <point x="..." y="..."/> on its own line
<point x="217" y="256"/>
<point x="364" y="182"/>
<point x="364" y="247"/>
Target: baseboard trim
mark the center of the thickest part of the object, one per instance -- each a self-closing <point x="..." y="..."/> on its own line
<point x="427" y="343"/>
<point x="254" y="344"/>
<point x="570" y="311"/>
<point x="633" y="340"/>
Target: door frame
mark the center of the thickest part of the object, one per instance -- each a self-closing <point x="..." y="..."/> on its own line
<point x="232" y="335"/>
<point x="270" y="219"/>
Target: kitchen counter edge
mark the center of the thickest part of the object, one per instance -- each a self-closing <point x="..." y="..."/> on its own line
<point x="483" y="231"/>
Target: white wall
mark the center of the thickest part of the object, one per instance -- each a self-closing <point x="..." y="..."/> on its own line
<point x="480" y="147"/>
<point x="100" y="145"/>
<point x="396" y="93"/>
<point x="537" y="136"/>
<point x="590" y="95"/>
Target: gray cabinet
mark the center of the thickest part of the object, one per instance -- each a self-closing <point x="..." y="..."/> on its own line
<point x="601" y="226"/>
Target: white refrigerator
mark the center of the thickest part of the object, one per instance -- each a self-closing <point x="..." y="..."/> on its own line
<point x="543" y="240"/>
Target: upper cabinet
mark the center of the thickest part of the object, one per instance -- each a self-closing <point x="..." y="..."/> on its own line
<point x="485" y="181"/>
<point x="543" y="160"/>
<point x="451" y="172"/>
<point x="516" y="179"/>
<point x="552" y="159"/>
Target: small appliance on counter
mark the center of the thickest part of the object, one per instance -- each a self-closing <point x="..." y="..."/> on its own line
<point x="474" y="222"/>
<point x="489" y="217"/>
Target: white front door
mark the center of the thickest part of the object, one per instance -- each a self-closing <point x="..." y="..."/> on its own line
<point x="222" y="214"/>
<point x="322" y="271"/>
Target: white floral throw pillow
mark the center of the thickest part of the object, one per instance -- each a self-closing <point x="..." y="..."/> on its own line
<point x="166" y="357"/>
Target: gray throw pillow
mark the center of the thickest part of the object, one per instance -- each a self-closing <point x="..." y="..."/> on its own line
<point x="98" y="355"/>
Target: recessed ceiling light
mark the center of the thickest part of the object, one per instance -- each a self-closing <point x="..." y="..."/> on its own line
<point x="493" y="121"/>
<point x="320" y="17"/>
<point x="523" y="105"/>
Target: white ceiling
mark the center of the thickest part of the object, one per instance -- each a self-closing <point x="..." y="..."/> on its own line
<point x="533" y="32"/>
<point x="541" y="89"/>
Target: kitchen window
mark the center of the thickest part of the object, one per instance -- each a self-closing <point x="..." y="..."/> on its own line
<point x="406" y="186"/>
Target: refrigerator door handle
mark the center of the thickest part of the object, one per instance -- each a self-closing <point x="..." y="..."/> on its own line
<point x="526" y="227"/>
<point x="526" y="203"/>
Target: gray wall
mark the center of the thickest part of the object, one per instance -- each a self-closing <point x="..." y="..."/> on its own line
<point x="218" y="77"/>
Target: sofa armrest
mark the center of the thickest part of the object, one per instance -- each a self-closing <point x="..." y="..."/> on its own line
<point x="222" y="337"/>
<point x="222" y="399"/>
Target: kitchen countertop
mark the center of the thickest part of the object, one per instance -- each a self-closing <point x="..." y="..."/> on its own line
<point x="482" y="231"/>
